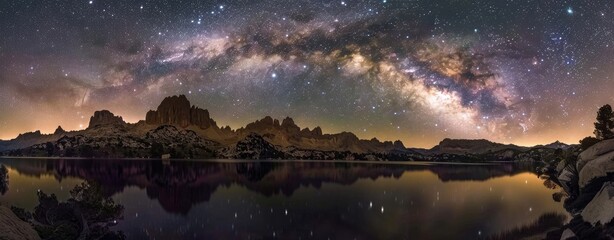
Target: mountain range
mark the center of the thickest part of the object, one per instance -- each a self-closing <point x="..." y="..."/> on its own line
<point x="177" y="129"/>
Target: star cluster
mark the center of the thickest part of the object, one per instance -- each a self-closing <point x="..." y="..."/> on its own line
<point x="523" y="72"/>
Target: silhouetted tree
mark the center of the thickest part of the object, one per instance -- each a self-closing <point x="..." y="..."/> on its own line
<point x="604" y="124"/>
<point x="50" y="149"/>
<point x="86" y="151"/>
<point x="156" y="150"/>
<point x="587" y="142"/>
<point x="88" y="214"/>
<point x="69" y="152"/>
<point x="22" y="214"/>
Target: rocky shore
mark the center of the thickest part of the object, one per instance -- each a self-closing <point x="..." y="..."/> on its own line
<point x="587" y="179"/>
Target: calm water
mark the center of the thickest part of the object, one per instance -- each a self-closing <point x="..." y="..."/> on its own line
<point x="297" y="200"/>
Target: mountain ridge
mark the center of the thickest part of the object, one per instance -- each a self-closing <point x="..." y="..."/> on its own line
<point x="195" y="134"/>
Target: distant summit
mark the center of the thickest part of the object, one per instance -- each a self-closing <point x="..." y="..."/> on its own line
<point x="460" y="146"/>
<point x="557" y="144"/>
<point x="59" y="130"/>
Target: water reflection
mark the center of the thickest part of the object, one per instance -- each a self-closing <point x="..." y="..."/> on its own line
<point x="4" y="179"/>
<point x="186" y="199"/>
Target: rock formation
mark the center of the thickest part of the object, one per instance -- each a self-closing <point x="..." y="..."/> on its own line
<point x="286" y="133"/>
<point x="590" y="186"/>
<point x="176" y="110"/>
<point x="59" y="130"/>
<point x="194" y="127"/>
<point x="104" y="117"/>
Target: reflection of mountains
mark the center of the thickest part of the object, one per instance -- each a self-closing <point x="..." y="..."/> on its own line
<point x="179" y="185"/>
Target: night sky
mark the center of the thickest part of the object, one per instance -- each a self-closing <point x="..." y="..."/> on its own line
<point x="523" y="72"/>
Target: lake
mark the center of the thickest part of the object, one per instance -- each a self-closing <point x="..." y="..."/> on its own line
<point x="301" y="200"/>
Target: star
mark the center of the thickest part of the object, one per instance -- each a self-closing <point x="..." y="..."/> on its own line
<point x="383" y="65"/>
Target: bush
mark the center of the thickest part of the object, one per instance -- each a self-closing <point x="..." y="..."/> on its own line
<point x="64" y="220"/>
<point x="604" y="124"/>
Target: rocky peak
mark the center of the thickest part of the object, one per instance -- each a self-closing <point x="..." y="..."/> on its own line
<point x="59" y="130"/>
<point x="200" y="117"/>
<point x="104" y="117"/>
<point x="267" y="123"/>
<point x="345" y="137"/>
<point x="268" y="120"/>
<point x="262" y="124"/>
<point x="398" y="144"/>
<point x="176" y="110"/>
<point x="36" y="133"/>
<point x="287" y="122"/>
<point x="226" y="129"/>
<point x="556" y="145"/>
<point x="317" y="131"/>
<point x="289" y="125"/>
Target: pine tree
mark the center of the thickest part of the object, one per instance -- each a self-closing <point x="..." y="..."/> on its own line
<point x="604" y="124"/>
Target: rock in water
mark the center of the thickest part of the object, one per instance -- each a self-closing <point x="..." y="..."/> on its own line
<point x="601" y="208"/>
<point x="11" y="227"/>
<point x="104" y="117"/>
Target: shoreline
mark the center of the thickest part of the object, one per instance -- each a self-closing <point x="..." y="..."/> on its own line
<point x="221" y="160"/>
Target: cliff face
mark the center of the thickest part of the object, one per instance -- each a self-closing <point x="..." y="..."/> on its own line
<point x="176" y="110"/>
<point x="104" y="117"/>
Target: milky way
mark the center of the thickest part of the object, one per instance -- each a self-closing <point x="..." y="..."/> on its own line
<point x="509" y="71"/>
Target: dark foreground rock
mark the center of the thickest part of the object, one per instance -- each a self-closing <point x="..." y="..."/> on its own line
<point x="600" y="210"/>
<point x="588" y="181"/>
<point x="13" y="228"/>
